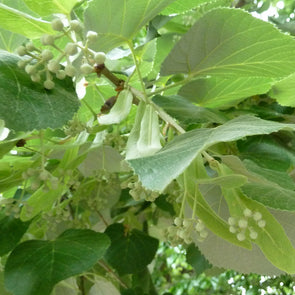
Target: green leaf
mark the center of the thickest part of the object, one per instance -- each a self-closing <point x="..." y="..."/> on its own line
<point x="284" y="91"/>
<point x="41" y="201"/>
<point x="24" y="24"/>
<point x="48" y="7"/>
<point x="35" y="266"/>
<point x="131" y="251"/>
<point x="121" y="20"/>
<point x="281" y="178"/>
<point x="103" y="287"/>
<point x="195" y="258"/>
<point x="11" y="231"/>
<point x="186" y="112"/>
<point x="266" y="151"/>
<point x="271" y="195"/>
<point x="119" y="111"/>
<point x="26" y="105"/>
<point x="10" y="41"/>
<point x="219" y="92"/>
<point x="102" y="158"/>
<point x="181" y="6"/>
<point x="230" y="42"/>
<point x="158" y="170"/>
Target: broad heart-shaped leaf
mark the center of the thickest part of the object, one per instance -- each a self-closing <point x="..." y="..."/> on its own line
<point x="35" y="266"/>
<point x="11" y="231"/>
<point x="26" y="105"/>
<point x="21" y="23"/>
<point x="181" y="6"/>
<point x="120" y="20"/>
<point x="48" y="7"/>
<point x="186" y="112"/>
<point x="158" y="170"/>
<point x="131" y="251"/>
<point x="284" y="91"/>
<point x="216" y="92"/>
<point x="230" y="42"/>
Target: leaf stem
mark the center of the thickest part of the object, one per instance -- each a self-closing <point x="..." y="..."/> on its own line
<point x="130" y="45"/>
<point x="114" y="275"/>
<point x="173" y="85"/>
<point x="90" y="108"/>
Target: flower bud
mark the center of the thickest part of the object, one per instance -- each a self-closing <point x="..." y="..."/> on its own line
<point x="48" y="84"/>
<point x="46" y="55"/>
<point x="21" y="50"/>
<point x="47" y="39"/>
<point x="71" y="49"/>
<point x="70" y="71"/>
<point x="76" y="25"/>
<point x="91" y="36"/>
<point x="99" y="57"/>
<point x="86" y="69"/>
<point x="61" y="74"/>
<point x="57" y="24"/>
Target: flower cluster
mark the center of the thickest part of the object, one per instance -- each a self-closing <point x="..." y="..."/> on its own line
<point x="244" y="227"/>
<point x="138" y="192"/>
<point x="184" y="228"/>
<point x="41" y="62"/>
<point x="39" y="176"/>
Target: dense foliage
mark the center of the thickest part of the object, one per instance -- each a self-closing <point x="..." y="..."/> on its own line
<point x="124" y="123"/>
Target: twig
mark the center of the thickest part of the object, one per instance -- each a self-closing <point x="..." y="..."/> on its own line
<point x="115" y="276"/>
<point x="82" y="285"/>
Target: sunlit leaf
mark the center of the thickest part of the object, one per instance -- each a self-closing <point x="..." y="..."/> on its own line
<point x="48" y="7"/>
<point x="230" y="43"/>
<point x="120" y="21"/>
<point x="284" y="91"/>
<point x="21" y="23"/>
<point x="219" y="92"/>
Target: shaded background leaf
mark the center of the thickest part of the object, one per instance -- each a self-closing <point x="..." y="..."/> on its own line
<point x="131" y="251"/>
<point x="48" y="262"/>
